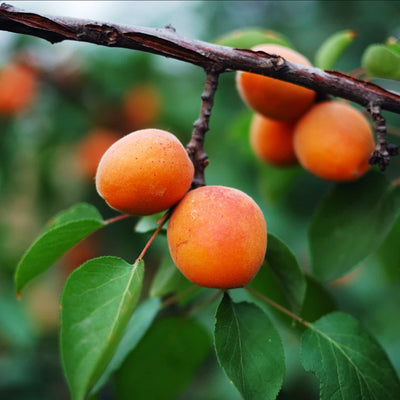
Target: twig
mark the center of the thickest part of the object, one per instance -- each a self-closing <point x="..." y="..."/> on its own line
<point x="195" y="148"/>
<point x="383" y="149"/>
<point x="209" y="56"/>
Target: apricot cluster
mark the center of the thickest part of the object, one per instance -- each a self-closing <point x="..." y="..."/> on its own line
<point x="330" y="139"/>
<point x="217" y="236"/>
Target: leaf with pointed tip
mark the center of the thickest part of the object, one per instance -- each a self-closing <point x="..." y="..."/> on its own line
<point x="249" y="349"/>
<point x="351" y="223"/>
<point x="96" y="304"/>
<point x="138" y="325"/>
<point x="347" y="360"/>
<point x="62" y="233"/>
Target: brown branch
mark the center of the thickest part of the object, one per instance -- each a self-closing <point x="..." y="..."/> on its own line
<point x="195" y="147"/>
<point x="167" y="42"/>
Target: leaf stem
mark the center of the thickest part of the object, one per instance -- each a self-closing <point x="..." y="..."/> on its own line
<point x="117" y="218"/>
<point x="174" y="298"/>
<point x="161" y="223"/>
<point x="278" y="306"/>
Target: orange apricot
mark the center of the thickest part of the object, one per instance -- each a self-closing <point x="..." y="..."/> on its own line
<point x="271" y="97"/>
<point x="217" y="237"/>
<point x="272" y="141"/>
<point x="92" y="147"/>
<point x="18" y="86"/>
<point x="141" y="106"/>
<point x="334" y="141"/>
<point x="144" y="172"/>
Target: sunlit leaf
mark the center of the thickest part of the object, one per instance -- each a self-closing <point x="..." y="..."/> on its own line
<point x="62" y="233"/>
<point x="97" y="302"/>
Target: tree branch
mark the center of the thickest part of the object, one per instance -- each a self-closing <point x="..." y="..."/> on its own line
<point x="168" y="43"/>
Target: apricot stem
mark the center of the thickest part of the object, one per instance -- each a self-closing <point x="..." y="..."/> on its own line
<point x="161" y="223"/>
<point x="195" y="147"/>
<point x="117" y="218"/>
<point x="277" y="306"/>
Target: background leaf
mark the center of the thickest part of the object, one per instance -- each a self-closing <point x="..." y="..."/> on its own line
<point x="249" y="349"/>
<point x="332" y="48"/>
<point x="286" y="268"/>
<point x="138" y="325"/>
<point x="349" y="363"/>
<point x="97" y="303"/>
<point x="63" y="232"/>
<point x="350" y="223"/>
<point x="164" y="361"/>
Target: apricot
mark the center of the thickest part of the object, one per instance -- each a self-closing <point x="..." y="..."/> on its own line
<point x="144" y="172"/>
<point x="141" y="106"/>
<point x="92" y="147"/>
<point x="217" y="237"/>
<point x="272" y="141"/>
<point x="18" y="87"/>
<point x="334" y="141"/>
<point x="271" y="97"/>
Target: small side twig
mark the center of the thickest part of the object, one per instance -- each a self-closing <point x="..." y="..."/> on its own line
<point x="383" y="149"/>
<point x="195" y="147"/>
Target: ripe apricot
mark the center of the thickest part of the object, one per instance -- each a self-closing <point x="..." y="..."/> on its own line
<point x="334" y="141"/>
<point x="271" y="97"/>
<point x="141" y="106"/>
<point x="92" y="147"/>
<point x="217" y="237"/>
<point x="272" y="140"/>
<point x="18" y="83"/>
<point x="144" y="172"/>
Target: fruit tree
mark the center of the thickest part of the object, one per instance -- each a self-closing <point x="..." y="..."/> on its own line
<point x="203" y="272"/>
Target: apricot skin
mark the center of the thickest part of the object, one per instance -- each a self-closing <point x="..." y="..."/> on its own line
<point x="334" y="141"/>
<point x="272" y="141"/>
<point x="271" y="97"/>
<point x="217" y="237"/>
<point x="145" y="172"/>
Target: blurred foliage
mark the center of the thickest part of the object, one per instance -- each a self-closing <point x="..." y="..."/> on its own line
<point x="84" y="89"/>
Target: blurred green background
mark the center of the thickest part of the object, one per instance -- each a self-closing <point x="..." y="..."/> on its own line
<point x="84" y="92"/>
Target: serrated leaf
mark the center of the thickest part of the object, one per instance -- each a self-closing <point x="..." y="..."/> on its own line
<point x="168" y="279"/>
<point x="285" y="266"/>
<point x="96" y="304"/>
<point x="332" y="48"/>
<point x="379" y="60"/>
<point x="347" y="360"/>
<point x="350" y="223"/>
<point x="138" y="325"/>
<point x="164" y="361"/>
<point x="249" y="349"/>
<point x="62" y="233"/>
<point x="250" y="37"/>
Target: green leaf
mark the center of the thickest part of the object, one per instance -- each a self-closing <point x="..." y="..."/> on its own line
<point x="63" y="232"/>
<point x="168" y="279"/>
<point x="148" y="224"/>
<point x="381" y="61"/>
<point x="250" y="37"/>
<point x="249" y="349"/>
<point x="350" y="223"/>
<point x="347" y="360"/>
<point x="285" y="266"/>
<point x="332" y="48"/>
<point x="96" y="304"/>
<point x="138" y="325"/>
<point x="164" y="361"/>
